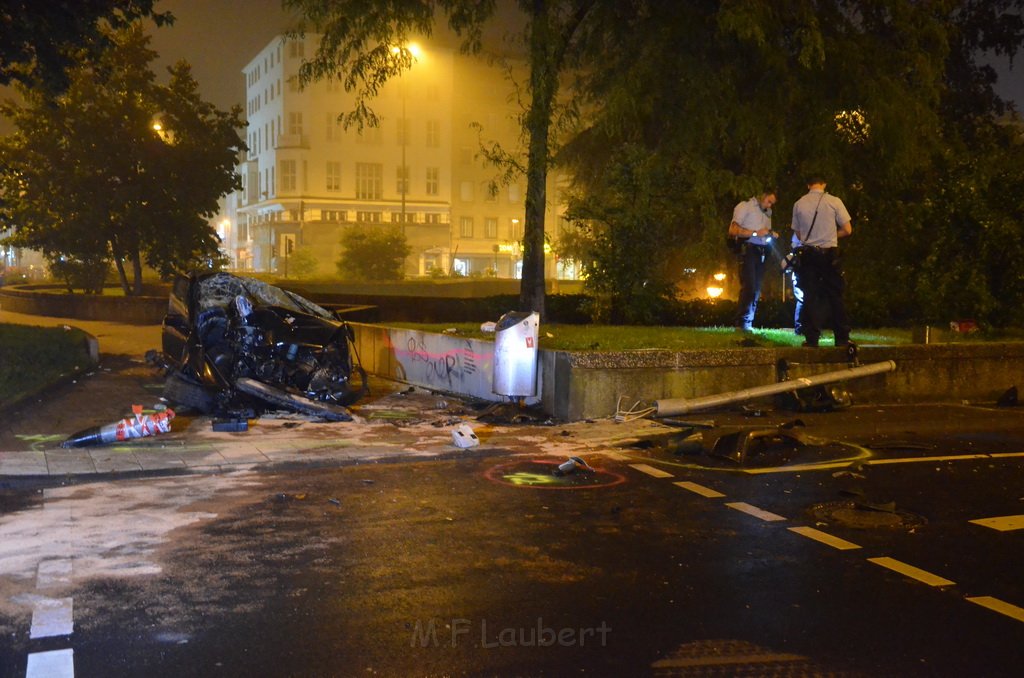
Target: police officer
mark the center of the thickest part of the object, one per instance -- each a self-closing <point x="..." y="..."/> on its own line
<point x="752" y="219"/>
<point x="819" y="220"/>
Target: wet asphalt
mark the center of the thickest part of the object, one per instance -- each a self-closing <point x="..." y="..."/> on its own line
<point x="869" y="546"/>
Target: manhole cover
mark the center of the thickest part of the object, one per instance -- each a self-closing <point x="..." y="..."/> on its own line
<point x="542" y="474"/>
<point x="865" y="516"/>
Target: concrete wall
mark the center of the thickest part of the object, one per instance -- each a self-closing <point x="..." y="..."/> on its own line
<point x="145" y="310"/>
<point x="446" y="363"/>
<point x="574" y="386"/>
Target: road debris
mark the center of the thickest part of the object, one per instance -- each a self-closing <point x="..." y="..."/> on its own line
<point x="572" y="465"/>
<point x="139" y="425"/>
<point x="463" y="436"/>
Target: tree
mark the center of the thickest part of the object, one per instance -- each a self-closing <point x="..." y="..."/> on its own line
<point x="371" y="252"/>
<point x="39" y="41"/>
<point x="887" y="98"/>
<point x="356" y="44"/>
<point x="88" y="177"/>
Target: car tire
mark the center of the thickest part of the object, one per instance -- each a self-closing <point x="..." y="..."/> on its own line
<point x="180" y="391"/>
<point x="291" y="401"/>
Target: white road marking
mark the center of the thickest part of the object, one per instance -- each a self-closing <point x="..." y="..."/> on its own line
<point x="1011" y="611"/>
<point x="825" y="538"/>
<point x="1001" y="523"/>
<point x="920" y="575"/>
<point x="53" y="572"/>
<point x="754" y="511"/>
<point x="55" y="664"/>
<point x="699" y="489"/>
<point x="51" y="617"/>
<point x="651" y="471"/>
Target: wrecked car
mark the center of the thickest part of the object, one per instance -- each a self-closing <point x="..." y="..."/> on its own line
<point x="235" y="346"/>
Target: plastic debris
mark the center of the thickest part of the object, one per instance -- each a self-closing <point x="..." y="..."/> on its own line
<point x="334" y="501"/>
<point x="138" y="426"/>
<point x="463" y="436"/>
<point x="231" y="425"/>
<point x="572" y="465"/>
<point x="488" y="326"/>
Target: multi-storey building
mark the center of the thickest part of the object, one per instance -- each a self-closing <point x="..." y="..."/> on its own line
<point x="306" y="177"/>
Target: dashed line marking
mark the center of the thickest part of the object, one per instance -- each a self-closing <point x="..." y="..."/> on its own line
<point x="996" y="605"/>
<point x="651" y="471"/>
<point x="699" y="489"/>
<point x="906" y="570"/>
<point x="54" y="664"/>
<point x="825" y="538"/>
<point x="1001" y="523"/>
<point x="53" y="572"/>
<point x="1006" y="455"/>
<point x="754" y="511"/>
<point x="51" y="617"/>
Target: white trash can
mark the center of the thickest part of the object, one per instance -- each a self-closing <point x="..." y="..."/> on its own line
<point x="515" y="354"/>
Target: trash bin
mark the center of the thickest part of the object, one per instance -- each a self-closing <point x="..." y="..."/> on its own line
<point x="515" y="354"/>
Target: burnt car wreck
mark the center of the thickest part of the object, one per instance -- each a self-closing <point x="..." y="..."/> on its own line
<point x="237" y="347"/>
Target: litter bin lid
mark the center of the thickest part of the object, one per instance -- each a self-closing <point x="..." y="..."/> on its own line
<point x="511" y="318"/>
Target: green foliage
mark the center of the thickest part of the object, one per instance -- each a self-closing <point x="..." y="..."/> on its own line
<point x="887" y="99"/>
<point x="87" y="276"/>
<point x="88" y="178"/>
<point x="40" y="41"/>
<point x="302" y="263"/>
<point x="49" y="351"/>
<point x="624" y="239"/>
<point x="372" y="252"/>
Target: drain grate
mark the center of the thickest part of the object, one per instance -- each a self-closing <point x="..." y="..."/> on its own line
<point x="866" y="516"/>
<point x="734" y="658"/>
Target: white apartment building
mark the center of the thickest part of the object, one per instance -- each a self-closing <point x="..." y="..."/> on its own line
<point x="305" y="177"/>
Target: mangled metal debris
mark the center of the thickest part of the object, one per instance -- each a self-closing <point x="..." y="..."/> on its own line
<point x="232" y="343"/>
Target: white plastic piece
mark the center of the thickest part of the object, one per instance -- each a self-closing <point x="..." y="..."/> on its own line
<point x="463" y="436"/>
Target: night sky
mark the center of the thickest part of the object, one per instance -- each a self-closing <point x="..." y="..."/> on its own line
<point x="218" y="38"/>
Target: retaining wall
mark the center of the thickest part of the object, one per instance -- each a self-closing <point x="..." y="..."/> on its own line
<point x="37" y="300"/>
<point x="574" y="386"/>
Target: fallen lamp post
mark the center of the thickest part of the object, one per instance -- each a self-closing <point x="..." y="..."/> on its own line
<point x="676" y="406"/>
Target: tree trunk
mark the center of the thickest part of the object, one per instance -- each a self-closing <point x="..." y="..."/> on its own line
<point x="137" y="272"/>
<point x="543" y="85"/>
<point x="122" y="276"/>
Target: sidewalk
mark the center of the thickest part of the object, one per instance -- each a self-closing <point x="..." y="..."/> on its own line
<point x="401" y="426"/>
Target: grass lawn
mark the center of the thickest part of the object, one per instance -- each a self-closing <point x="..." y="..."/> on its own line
<point x="625" y="338"/>
<point x="33" y="356"/>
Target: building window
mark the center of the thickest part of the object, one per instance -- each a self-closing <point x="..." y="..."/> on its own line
<point x="296" y="49"/>
<point x="514" y="195"/>
<point x="288" y="175"/>
<point x="333" y="176"/>
<point x="490" y="227"/>
<point x="431" y="218"/>
<point x="515" y="230"/>
<point x="402" y="180"/>
<point x="402" y="127"/>
<point x="465" y="156"/>
<point x="368" y="135"/>
<point x="433" y="180"/>
<point x="466" y="227"/>
<point x="368" y="217"/>
<point x="466" y="191"/>
<point x="334" y="215"/>
<point x="295" y="123"/>
<point x="369" y="181"/>
<point x="333" y="127"/>
<point x="406" y="218"/>
<point x="433" y="138"/>
<point x="489" y="191"/>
